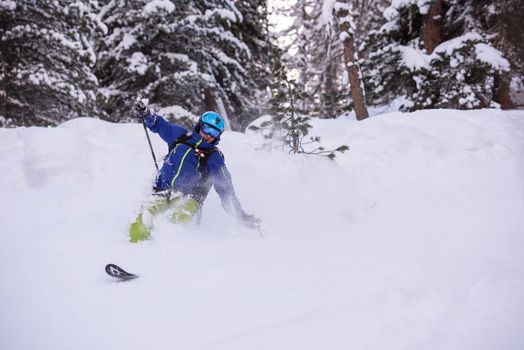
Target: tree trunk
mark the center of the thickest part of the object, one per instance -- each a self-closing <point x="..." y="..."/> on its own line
<point x="501" y="91"/>
<point x="351" y="59"/>
<point x="329" y="91"/>
<point x="212" y="103"/>
<point x="209" y="100"/>
<point x="355" y="81"/>
<point x="432" y="26"/>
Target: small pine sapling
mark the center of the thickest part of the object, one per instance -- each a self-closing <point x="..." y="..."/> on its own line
<point x="289" y="122"/>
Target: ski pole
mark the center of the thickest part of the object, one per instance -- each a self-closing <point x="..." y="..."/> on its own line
<point x="139" y="98"/>
<point x="150" y="145"/>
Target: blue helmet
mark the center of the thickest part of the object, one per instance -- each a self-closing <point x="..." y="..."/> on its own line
<point x="213" y="120"/>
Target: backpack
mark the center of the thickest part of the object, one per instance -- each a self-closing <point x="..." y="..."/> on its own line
<point x="202" y="153"/>
<point x="204" y="185"/>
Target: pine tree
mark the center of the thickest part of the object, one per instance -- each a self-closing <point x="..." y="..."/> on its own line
<point x="433" y="54"/>
<point x="502" y="21"/>
<point x="316" y="52"/>
<point x="46" y="60"/>
<point x="186" y="57"/>
<point x="327" y="70"/>
<point x="285" y="109"/>
<point x="297" y="46"/>
<point x="328" y="53"/>
<point x="253" y="30"/>
<point x="139" y="57"/>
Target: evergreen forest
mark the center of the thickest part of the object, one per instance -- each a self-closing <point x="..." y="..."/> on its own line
<point x="92" y="58"/>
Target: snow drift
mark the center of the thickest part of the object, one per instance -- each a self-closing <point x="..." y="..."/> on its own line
<point x="411" y="240"/>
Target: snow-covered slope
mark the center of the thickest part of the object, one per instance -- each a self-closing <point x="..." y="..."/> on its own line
<point x="411" y="240"/>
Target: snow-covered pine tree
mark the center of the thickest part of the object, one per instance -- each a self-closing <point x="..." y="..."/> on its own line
<point x="186" y="57"/>
<point x="432" y="54"/>
<point x="502" y="21"/>
<point x="297" y="45"/>
<point x="327" y="73"/>
<point x="234" y="55"/>
<point x="320" y="62"/>
<point x="312" y="53"/>
<point x="46" y="59"/>
<point x="141" y="56"/>
<point x="253" y="30"/>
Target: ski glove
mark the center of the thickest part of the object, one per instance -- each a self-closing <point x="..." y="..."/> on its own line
<point x="140" y="110"/>
<point x="251" y="221"/>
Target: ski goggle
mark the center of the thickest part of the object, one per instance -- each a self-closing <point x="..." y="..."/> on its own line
<point x="210" y="130"/>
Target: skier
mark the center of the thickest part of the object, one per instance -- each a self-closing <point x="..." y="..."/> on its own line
<point x="191" y="167"/>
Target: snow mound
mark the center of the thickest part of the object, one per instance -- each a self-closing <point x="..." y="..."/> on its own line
<point x="410" y="240"/>
<point x="55" y="155"/>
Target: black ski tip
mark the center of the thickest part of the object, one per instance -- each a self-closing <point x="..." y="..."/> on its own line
<point x="118" y="272"/>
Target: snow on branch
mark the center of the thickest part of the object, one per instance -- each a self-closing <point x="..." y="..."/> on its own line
<point x="155" y="6"/>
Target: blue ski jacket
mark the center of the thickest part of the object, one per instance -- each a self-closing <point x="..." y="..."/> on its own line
<point x="185" y="170"/>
